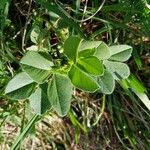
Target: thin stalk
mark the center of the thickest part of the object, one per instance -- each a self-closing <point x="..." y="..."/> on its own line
<point x="26" y="24"/>
<point x="22" y="122"/>
<point x="102" y="111"/>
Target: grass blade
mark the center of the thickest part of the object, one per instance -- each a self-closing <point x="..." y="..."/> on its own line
<point x="25" y="131"/>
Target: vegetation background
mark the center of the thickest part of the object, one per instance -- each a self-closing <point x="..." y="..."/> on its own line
<point x="117" y="121"/>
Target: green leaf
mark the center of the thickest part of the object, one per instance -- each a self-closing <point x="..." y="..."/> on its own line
<point x="60" y="93"/>
<point x="102" y="52"/>
<point x="96" y="48"/>
<point x="20" y="87"/>
<point x="119" y="70"/>
<point x="37" y="65"/>
<point x="82" y="80"/>
<point x="120" y="52"/>
<point x="137" y="87"/>
<point x="71" y="46"/>
<point x="135" y="84"/>
<point x="86" y="53"/>
<point x="39" y="100"/>
<point x="91" y="65"/>
<point x="32" y="48"/>
<point x="144" y="98"/>
<point x="106" y="82"/>
<point x="35" y="34"/>
<point x="89" y="45"/>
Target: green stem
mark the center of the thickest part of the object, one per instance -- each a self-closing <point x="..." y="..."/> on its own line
<point x="22" y="123"/>
<point x="102" y="111"/>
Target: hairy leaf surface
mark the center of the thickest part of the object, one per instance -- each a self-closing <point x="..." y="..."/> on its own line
<point x="36" y="65"/>
<point x="82" y="80"/>
<point x="20" y="87"/>
<point x="59" y="93"/>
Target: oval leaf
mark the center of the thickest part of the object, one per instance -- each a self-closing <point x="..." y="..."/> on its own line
<point x="20" y="87"/>
<point x="71" y="46"/>
<point x="86" y="53"/>
<point x="36" y="34"/>
<point x="106" y="82"/>
<point x="102" y="52"/>
<point x="89" y="45"/>
<point x="120" y="52"/>
<point x="91" y="65"/>
<point x="119" y="70"/>
<point x="37" y="65"/>
<point x="39" y="100"/>
<point x="82" y="80"/>
<point x="60" y="93"/>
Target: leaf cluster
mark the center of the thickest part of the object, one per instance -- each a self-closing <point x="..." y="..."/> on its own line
<point x="91" y="66"/>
